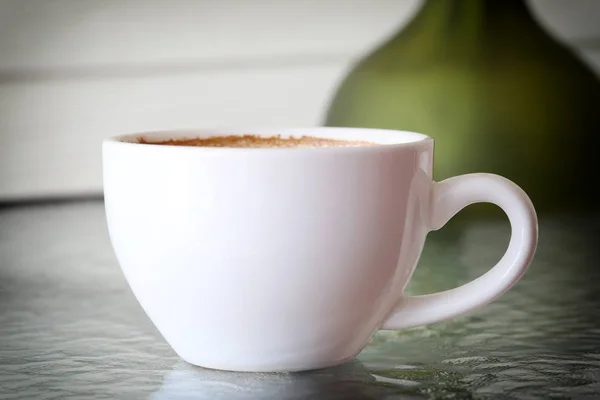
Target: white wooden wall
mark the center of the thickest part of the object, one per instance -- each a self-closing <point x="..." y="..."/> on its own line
<point x="75" y="71"/>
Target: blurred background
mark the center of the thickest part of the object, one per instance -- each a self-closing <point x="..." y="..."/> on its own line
<point x="504" y="86"/>
<point x="75" y="71"/>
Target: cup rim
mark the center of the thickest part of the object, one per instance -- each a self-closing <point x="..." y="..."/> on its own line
<point x="383" y="138"/>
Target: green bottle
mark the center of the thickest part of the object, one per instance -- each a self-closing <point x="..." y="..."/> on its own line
<point x="496" y="92"/>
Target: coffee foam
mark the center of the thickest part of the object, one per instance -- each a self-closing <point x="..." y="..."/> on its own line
<point x="255" y="141"/>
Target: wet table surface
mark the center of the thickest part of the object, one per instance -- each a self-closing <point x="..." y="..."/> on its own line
<point x="70" y="328"/>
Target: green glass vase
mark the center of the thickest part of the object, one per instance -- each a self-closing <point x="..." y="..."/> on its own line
<point x="497" y="93"/>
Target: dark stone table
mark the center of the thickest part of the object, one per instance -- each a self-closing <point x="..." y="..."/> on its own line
<point x="71" y="329"/>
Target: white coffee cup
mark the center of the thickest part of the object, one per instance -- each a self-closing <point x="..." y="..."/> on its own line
<point x="289" y="259"/>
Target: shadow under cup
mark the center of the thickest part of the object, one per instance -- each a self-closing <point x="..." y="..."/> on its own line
<point x="346" y="381"/>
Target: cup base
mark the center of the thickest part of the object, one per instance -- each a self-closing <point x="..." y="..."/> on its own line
<point x="258" y="367"/>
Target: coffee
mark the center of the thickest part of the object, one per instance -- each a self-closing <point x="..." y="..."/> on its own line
<point x="255" y="141"/>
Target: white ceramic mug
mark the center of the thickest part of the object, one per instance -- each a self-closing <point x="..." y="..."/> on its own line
<point x="289" y="259"/>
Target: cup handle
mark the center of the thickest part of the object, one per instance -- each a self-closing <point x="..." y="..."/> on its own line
<point x="449" y="197"/>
